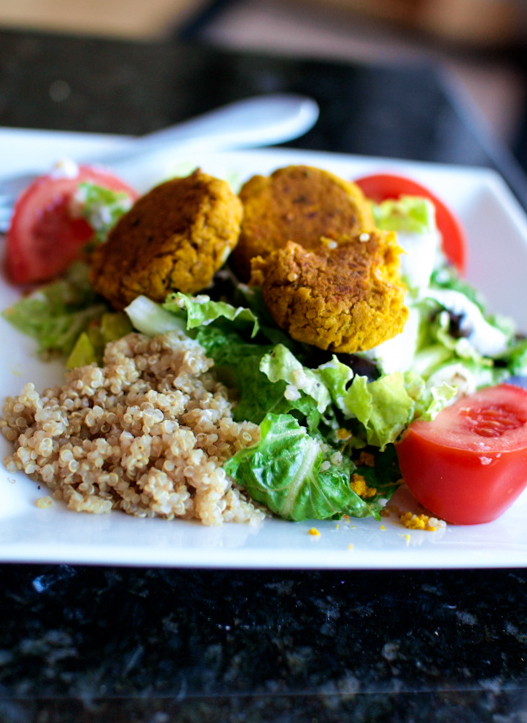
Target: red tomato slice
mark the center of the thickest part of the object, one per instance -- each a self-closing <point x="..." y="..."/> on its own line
<point x="44" y="239"/>
<point x="380" y="186"/>
<point x="470" y="463"/>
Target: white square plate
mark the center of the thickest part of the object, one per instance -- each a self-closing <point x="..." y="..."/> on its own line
<point x="497" y="232"/>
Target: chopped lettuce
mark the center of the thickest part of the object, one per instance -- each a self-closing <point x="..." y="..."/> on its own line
<point x="447" y="277"/>
<point x="380" y="471"/>
<point x="300" y="477"/>
<point x="430" y="358"/>
<point x="410" y="214"/>
<point x="326" y="446"/>
<point x="185" y="312"/>
<point x="291" y="473"/>
<point x="66" y="316"/>
<point x="268" y="379"/>
<point x="91" y="343"/>
<point x="151" y="318"/>
<point x="460" y="346"/>
<point x="384" y="409"/>
<point x="281" y="365"/>
<point x="252" y="297"/>
<point x="83" y="353"/>
<point x="202" y="311"/>
<point x="467" y="376"/>
<point x="459" y="342"/>
<point x="385" y="406"/>
<point x="477" y="334"/>
<point x="57" y="314"/>
<point x="514" y="359"/>
<point x="101" y="207"/>
<point x="272" y="380"/>
<point x="247" y="367"/>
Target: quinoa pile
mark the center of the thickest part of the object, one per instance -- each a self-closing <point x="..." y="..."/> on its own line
<point x="147" y="434"/>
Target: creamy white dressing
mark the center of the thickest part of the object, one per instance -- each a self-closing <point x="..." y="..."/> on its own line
<point x="417" y="264"/>
<point x="419" y="259"/>
<point x="397" y="354"/>
<point x="485" y="338"/>
<point x="458" y="375"/>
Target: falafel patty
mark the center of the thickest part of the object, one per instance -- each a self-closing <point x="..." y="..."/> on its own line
<point x="344" y="297"/>
<point x="174" y="238"/>
<point x="297" y="203"/>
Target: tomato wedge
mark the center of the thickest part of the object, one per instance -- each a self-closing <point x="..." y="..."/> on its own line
<point x="380" y="186"/>
<point x="469" y="464"/>
<point x="44" y="238"/>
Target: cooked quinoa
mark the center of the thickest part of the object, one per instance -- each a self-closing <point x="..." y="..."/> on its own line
<point x="147" y="434"/>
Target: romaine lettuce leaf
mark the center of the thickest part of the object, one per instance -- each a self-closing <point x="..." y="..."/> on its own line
<point x="83" y="353"/>
<point x="91" y="343"/>
<point x="380" y="471"/>
<point x="461" y="346"/>
<point x="431" y="357"/>
<point x="385" y="406"/>
<point x="281" y="365"/>
<point x="411" y="214"/>
<point x="151" y="318"/>
<point x="447" y="277"/>
<point x="475" y="335"/>
<point x="250" y="367"/>
<point x="272" y="380"/>
<point x="253" y="299"/>
<point x="185" y="312"/>
<point x="383" y="409"/>
<point x="57" y="314"/>
<point x="515" y="357"/>
<point x="291" y="473"/>
<point x="239" y="364"/>
<point x="201" y="311"/>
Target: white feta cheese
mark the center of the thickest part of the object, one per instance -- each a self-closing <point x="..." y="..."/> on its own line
<point x="65" y="168"/>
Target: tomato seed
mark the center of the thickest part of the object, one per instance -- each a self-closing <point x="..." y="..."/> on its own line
<point x="492" y="421"/>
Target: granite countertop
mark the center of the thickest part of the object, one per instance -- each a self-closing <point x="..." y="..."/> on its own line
<point x="106" y="644"/>
<point x="101" y="644"/>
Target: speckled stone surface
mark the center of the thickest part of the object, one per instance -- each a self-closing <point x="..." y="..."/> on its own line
<point x="109" y="645"/>
<point x="90" y="644"/>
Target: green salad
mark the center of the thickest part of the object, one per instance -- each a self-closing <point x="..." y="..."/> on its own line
<point x="324" y="419"/>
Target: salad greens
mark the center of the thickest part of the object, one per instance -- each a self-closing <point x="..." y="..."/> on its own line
<point x="407" y="213"/>
<point x="387" y="405"/>
<point x="91" y="344"/>
<point x="101" y="207"/>
<point x="68" y="318"/>
<point x="57" y="314"/>
<point x="289" y="471"/>
<point x="327" y="437"/>
<point x="201" y="311"/>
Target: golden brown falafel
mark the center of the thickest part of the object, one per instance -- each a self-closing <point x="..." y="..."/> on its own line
<point x="297" y="203"/>
<point x="174" y="238"/>
<point x="345" y="297"/>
